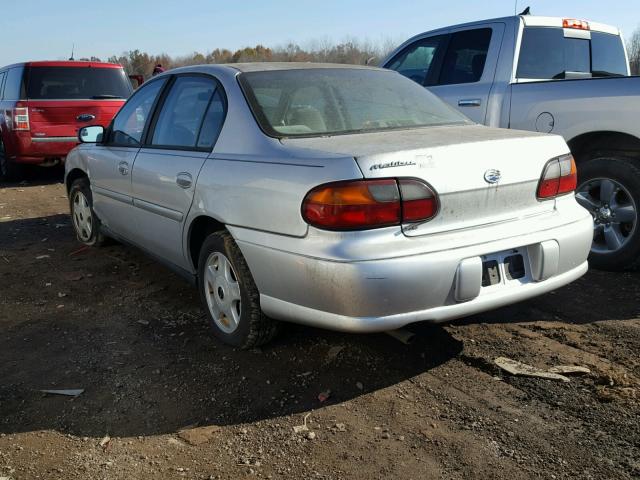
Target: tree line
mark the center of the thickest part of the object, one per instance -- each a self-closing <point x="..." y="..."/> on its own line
<point x="351" y="51"/>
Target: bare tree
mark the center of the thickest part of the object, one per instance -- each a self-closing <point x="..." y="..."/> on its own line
<point x="633" y="50"/>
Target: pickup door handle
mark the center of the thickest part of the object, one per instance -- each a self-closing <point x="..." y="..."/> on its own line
<point x="184" y="180"/>
<point x="123" y="168"/>
<point x="470" y="102"/>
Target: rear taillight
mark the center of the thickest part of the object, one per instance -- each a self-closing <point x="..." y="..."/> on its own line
<point x="21" y="118"/>
<point x="558" y="177"/>
<point x="365" y="204"/>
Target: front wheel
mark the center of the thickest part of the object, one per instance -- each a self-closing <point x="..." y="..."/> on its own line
<point x="610" y="189"/>
<point x="230" y="295"/>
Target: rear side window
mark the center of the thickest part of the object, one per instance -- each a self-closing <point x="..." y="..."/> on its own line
<point x="466" y="57"/>
<point x="546" y="54"/>
<point x="14" y="86"/>
<point x="183" y="112"/>
<point x="71" y="83"/>
<point x="416" y="61"/>
<point x="2" y="75"/>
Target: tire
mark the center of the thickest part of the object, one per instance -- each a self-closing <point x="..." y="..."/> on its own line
<point x="230" y="295"/>
<point x="609" y="187"/>
<point x="86" y="223"/>
<point x="9" y="171"/>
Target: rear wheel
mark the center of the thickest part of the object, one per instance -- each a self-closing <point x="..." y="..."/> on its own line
<point x="610" y="189"/>
<point x="9" y="171"/>
<point x="85" y="222"/>
<point x="230" y="295"/>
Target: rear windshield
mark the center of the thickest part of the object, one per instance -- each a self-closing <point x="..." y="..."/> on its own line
<point x="70" y="83"/>
<point x="327" y="101"/>
<point x="547" y="54"/>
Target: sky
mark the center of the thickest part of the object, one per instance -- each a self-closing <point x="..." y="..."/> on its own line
<point x="47" y="29"/>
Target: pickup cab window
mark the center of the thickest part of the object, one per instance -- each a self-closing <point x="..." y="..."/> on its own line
<point x="546" y="54"/>
<point x="466" y="57"/>
<point x="417" y="60"/>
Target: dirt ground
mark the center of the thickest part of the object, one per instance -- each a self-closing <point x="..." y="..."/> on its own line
<point x="163" y="399"/>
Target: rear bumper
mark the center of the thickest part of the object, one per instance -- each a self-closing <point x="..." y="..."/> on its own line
<point x="34" y="150"/>
<point x="388" y="293"/>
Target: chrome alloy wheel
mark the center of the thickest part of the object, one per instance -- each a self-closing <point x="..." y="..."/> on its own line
<point x="614" y="212"/>
<point x="82" y="217"/>
<point x="222" y="292"/>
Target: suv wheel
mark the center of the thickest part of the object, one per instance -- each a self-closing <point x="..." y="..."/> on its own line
<point x="230" y="295"/>
<point x="9" y="171"/>
<point x="610" y="189"/>
<point x="85" y="222"/>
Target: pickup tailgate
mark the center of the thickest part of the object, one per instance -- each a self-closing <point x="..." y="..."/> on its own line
<point x="455" y="161"/>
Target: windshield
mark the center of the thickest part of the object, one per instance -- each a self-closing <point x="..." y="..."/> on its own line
<point x="327" y="101"/>
<point x="71" y="83"/>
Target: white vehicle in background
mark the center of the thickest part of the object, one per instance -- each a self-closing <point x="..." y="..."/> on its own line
<point x="554" y="75"/>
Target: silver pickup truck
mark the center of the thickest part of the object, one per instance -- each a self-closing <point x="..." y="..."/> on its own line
<point x="564" y="76"/>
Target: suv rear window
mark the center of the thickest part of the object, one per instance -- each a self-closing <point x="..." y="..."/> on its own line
<point x="547" y="54"/>
<point x="71" y="83"/>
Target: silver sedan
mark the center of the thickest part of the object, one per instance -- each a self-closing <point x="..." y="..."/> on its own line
<point x="343" y="197"/>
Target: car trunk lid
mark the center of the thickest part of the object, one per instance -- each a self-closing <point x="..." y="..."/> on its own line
<point x="482" y="175"/>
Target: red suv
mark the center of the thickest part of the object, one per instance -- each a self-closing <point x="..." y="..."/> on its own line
<point x="43" y="104"/>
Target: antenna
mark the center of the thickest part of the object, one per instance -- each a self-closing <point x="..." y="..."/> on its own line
<point x="515" y="8"/>
<point x="73" y="47"/>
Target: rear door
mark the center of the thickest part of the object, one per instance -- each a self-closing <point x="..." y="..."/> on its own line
<point x="183" y="133"/>
<point x="468" y="68"/>
<point x="62" y="99"/>
<point x="110" y="163"/>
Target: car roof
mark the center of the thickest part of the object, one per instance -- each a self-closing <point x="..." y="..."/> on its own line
<point x="63" y="63"/>
<point x="270" y="66"/>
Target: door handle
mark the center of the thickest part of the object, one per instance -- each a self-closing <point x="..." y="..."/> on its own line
<point x="184" y="180"/>
<point x="123" y="168"/>
<point x="470" y="102"/>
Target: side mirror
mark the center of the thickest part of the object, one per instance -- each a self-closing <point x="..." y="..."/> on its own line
<point x="91" y="134"/>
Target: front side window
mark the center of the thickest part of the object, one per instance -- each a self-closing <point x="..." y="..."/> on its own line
<point x="183" y="111"/>
<point x="547" y="54"/>
<point x="332" y="101"/>
<point x="416" y="60"/>
<point x="128" y="125"/>
<point x="466" y="57"/>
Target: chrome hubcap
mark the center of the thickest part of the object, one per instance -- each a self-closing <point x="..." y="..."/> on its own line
<point x="614" y="213"/>
<point x="82" y="218"/>
<point x="222" y="292"/>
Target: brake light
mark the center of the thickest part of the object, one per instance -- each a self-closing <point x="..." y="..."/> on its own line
<point x="576" y="24"/>
<point x="365" y="204"/>
<point x="559" y="177"/>
<point x="21" y="118"/>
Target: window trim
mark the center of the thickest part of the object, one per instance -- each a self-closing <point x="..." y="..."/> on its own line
<point x="150" y="130"/>
<point x="109" y="130"/>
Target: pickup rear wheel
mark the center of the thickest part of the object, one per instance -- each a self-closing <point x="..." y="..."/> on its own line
<point x="229" y="294"/>
<point x="85" y="222"/>
<point x="610" y="189"/>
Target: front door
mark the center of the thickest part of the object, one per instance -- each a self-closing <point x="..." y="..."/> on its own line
<point x="110" y="162"/>
<point x="468" y="69"/>
<point x="166" y="169"/>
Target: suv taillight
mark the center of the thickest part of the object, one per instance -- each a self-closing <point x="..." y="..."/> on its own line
<point x="558" y="177"/>
<point x="21" y="118"/>
<point x="365" y="204"/>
